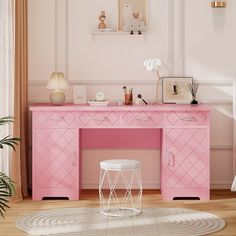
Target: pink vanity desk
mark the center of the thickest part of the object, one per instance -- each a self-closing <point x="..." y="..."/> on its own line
<point x="183" y="131"/>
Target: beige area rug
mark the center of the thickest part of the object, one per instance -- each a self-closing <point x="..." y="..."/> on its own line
<point x="90" y="222"/>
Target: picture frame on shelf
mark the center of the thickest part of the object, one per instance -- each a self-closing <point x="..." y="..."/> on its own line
<point x="175" y="90"/>
<point x="80" y="94"/>
<point x="132" y="16"/>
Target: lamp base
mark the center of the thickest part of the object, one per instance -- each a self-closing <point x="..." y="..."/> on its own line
<point x="57" y="97"/>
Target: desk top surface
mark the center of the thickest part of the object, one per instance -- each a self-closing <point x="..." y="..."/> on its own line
<point x="114" y="107"/>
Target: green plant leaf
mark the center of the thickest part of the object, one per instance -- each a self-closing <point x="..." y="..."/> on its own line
<point x="6" y="120"/>
<point x="3" y="199"/>
<point x="3" y="207"/>
<point x="2" y="194"/>
<point x="7" y="187"/>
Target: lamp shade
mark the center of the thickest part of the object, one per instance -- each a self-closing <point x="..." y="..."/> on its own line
<point x="57" y="81"/>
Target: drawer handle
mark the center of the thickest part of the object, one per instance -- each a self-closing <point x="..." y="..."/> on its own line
<point x="171" y="159"/>
<point x="57" y="119"/>
<point x="144" y="119"/>
<point x="101" y="120"/>
<point x="188" y="119"/>
<point x="74" y="158"/>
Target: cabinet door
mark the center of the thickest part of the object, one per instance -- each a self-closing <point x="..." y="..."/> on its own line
<point x="56" y="158"/>
<point x="187" y="158"/>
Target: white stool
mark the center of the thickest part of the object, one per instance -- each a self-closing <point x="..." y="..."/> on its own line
<point x="120" y="187"/>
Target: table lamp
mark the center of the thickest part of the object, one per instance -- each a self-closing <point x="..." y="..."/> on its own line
<point x="57" y="83"/>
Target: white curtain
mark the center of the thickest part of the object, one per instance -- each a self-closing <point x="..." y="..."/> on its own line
<point x="6" y="74"/>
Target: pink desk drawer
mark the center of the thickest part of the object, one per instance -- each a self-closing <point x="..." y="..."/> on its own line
<point x="142" y="119"/>
<point x="99" y="119"/>
<point x="55" y="118"/>
<point x="186" y="118"/>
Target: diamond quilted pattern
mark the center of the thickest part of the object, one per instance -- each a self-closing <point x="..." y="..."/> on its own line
<point x="55" y="157"/>
<point x="189" y="149"/>
<point x="40" y="117"/>
<point x="186" y="118"/>
<point x="55" y="117"/>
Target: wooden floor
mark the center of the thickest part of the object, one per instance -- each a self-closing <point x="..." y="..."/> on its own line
<point x="222" y="203"/>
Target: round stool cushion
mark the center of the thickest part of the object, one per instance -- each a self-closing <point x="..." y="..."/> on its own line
<point x="119" y="164"/>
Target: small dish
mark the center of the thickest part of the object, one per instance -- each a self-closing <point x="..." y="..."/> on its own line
<point x="98" y="103"/>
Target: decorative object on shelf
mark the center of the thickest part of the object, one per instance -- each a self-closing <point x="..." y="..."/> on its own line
<point x="135" y="27"/>
<point x="57" y="83"/>
<point x="218" y="4"/>
<point x="193" y="87"/>
<point x="128" y="96"/>
<point x="176" y="90"/>
<point x="140" y="101"/>
<point x="154" y="65"/>
<point x="80" y="94"/>
<point x="132" y="16"/>
<point x="100" y="96"/>
<point x="102" y="18"/>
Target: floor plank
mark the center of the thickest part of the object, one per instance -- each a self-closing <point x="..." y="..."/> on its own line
<point x="222" y="204"/>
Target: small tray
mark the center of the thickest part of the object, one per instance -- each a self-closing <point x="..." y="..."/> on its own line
<point x="98" y="103"/>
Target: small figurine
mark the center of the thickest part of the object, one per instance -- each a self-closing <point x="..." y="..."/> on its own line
<point x="102" y="18"/>
<point x="133" y="21"/>
<point x="132" y="27"/>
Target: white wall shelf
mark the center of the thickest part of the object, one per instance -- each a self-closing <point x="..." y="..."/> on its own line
<point x="98" y="33"/>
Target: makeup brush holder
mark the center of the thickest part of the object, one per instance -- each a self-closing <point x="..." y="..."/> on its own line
<point x="128" y="99"/>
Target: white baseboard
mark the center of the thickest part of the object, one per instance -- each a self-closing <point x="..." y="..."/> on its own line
<point x="221" y="185"/>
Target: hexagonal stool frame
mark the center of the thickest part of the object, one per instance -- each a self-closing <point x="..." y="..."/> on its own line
<point x="129" y="172"/>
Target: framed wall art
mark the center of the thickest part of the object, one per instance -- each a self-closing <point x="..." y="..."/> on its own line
<point x="132" y="15"/>
<point x="175" y="90"/>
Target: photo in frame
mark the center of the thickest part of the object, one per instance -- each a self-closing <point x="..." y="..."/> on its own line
<point x="132" y="15"/>
<point x="175" y="90"/>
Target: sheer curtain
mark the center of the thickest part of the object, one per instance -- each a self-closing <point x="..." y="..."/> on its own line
<point x="6" y="74"/>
